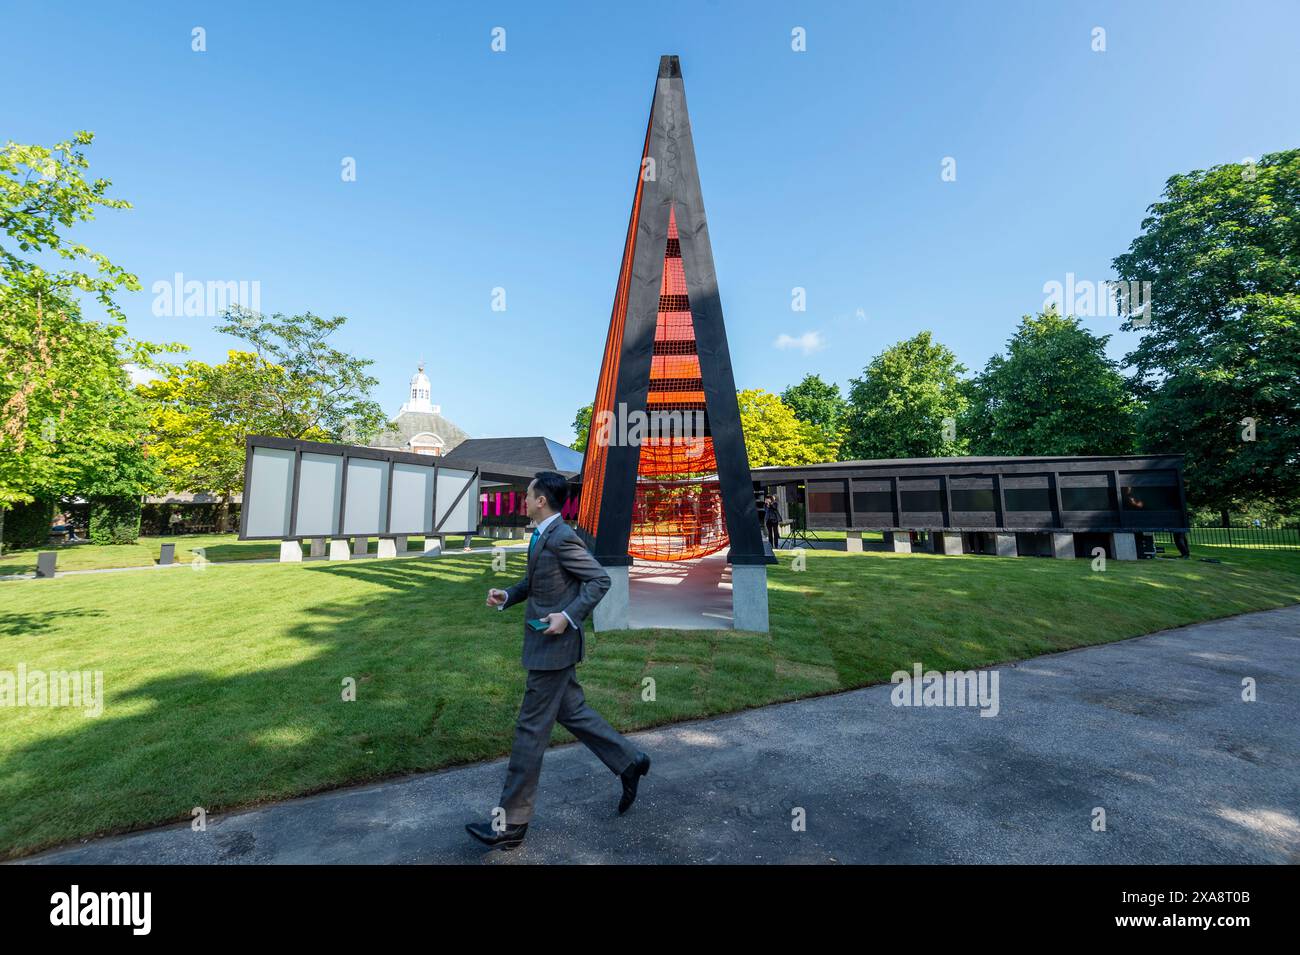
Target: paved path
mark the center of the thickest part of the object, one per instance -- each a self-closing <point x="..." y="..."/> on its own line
<point x="1153" y="730"/>
<point x="682" y="595"/>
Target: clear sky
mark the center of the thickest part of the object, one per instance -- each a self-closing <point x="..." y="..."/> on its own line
<point x="477" y="169"/>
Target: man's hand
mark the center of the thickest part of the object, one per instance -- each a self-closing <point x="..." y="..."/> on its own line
<point x="496" y="598"/>
<point x="558" y="623"/>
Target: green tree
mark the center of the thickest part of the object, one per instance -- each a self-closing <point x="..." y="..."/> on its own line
<point x="69" y="420"/>
<point x="818" y="403"/>
<point x="1221" y="250"/>
<point x="1053" y="392"/>
<point x="907" y="403"/>
<point x="69" y="423"/>
<point x="200" y="415"/>
<point x="321" y="390"/>
<point x="1235" y="414"/>
<point x="774" y="436"/>
<point x="43" y="192"/>
<point x="581" y="428"/>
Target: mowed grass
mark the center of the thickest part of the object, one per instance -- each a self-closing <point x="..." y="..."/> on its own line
<point x="218" y="548"/>
<point x="223" y="686"/>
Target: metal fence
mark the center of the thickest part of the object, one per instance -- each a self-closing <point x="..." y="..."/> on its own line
<point x="1263" y="538"/>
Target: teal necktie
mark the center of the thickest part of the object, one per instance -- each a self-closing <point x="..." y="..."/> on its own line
<point x="533" y="540"/>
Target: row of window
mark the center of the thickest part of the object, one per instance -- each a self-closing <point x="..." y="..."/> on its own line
<point x="1140" y="497"/>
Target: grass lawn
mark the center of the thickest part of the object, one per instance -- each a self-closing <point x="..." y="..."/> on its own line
<point x="216" y="547"/>
<point x="222" y="686"/>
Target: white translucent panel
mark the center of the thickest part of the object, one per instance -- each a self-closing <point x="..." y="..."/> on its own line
<point x="269" y="496"/>
<point x="320" y="485"/>
<point x="460" y="516"/>
<point x="367" y="497"/>
<point x="412" y="499"/>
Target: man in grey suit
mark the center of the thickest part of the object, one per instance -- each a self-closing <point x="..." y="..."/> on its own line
<point x="561" y="586"/>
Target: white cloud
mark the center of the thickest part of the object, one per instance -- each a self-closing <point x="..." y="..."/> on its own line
<point x="808" y="342"/>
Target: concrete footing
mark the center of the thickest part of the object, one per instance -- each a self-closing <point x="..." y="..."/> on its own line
<point x="167" y="555"/>
<point x="360" y="546"/>
<point x="387" y="547"/>
<point x="1123" y="546"/>
<point x="947" y="543"/>
<point x="403" y="543"/>
<point x="853" y="542"/>
<point x="318" y="547"/>
<point x="1005" y="545"/>
<point x="45" y="561"/>
<point x="291" y="552"/>
<point x="339" y="548"/>
<point x="432" y="546"/>
<point x="749" y="596"/>
<point x="1063" y="546"/>
<point x="900" y="543"/>
<point x="612" y="611"/>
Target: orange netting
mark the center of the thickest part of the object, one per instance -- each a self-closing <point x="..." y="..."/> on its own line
<point x="593" y="464"/>
<point x="677" y="513"/>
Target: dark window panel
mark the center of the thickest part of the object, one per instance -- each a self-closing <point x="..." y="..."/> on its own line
<point x="968" y="499"/>
<point x="1028" y="498"/>
<point x="1087" y="499"/>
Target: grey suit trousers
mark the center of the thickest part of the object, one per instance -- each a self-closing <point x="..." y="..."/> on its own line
<point x="550" y="695"/>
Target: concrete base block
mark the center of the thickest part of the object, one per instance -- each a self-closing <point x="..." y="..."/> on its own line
<point x="611" y="612"/>
<point x="1005" y="545"/>
<point x="291" y="552"/>
<point x="318" y="547"/>
<point x="948" y="544"/>
<point x="749" y="597"/>
<point x="1123" y="546"/>
<point x="900" y="543"/>
<point x="387" y="547"/>
<point x="339" y="548"/>
<point x="432" y="546"/>
<point x="403" y="543"/>
<point x="853" y="542"/>
<point x="1063" y="546"/>
<point x="517" y="533"/>
<point x="45" y="562"/>
<point x="360" y="546"/>
<point x="166" y="555"/>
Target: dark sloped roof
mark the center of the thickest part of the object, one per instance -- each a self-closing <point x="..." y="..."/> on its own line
<point x="538" y="453"/>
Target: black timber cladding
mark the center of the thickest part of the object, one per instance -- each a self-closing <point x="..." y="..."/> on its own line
<point x="1069" y="494"/>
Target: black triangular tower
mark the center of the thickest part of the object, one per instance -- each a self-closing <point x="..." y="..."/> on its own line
<point x="668" y="186"/>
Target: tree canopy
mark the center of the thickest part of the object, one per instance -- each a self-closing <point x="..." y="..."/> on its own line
<point x="1221" y="249"/>
<point x="1053" y="392"/>
<point x="907" y="402"/>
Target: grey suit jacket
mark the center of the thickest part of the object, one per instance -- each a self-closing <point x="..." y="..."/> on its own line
<point x="562" y="577"/>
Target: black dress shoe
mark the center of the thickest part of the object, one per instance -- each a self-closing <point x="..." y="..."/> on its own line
<point x="511" y="837"/>
<point x="631" y="776"/>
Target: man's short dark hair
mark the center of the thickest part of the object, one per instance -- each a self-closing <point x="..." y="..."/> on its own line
<point x="553" y="487"/>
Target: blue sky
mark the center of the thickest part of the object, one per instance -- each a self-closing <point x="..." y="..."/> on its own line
<point x="477" y="169"/>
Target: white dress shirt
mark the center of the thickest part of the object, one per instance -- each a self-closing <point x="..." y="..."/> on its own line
<point x="539" y="529"/>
